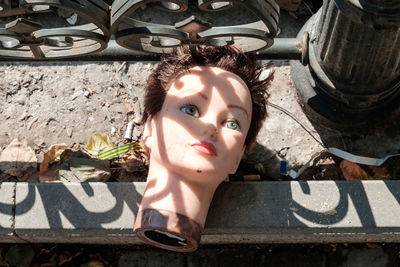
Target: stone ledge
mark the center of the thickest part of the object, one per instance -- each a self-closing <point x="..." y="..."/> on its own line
<point x="6" y="212"/>
<point x="241" y="212"/>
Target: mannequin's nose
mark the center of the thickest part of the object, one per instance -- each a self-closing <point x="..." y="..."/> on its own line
<point x="209" y="130"/>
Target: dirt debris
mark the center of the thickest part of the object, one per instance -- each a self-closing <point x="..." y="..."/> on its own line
<point x="52" y="103"/>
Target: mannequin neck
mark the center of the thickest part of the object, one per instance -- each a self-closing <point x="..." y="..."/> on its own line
<point x="166" y="190"/>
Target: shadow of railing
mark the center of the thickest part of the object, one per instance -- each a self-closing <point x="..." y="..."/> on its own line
<point x="70" y="206"/>
<point x="297" y="208"/>
<point x="238" y="207"/>
<point x="348" y="191"/>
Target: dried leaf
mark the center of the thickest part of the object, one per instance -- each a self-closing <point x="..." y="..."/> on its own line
<point x="353" y="172"/>
<point x="90" y="170"/>
<point x="377" y="172"/>
<point x="52" y="156"/>
<point x="380" y="172"/>
<point x="331" y="212"/>
<point x="31" y="175"/>
<point x="66" y="176"/>
<point x="98" y="143"/>
<point x="52" y="175"/>
<point x="131" y="162"/>
<point x="17" y="158"/>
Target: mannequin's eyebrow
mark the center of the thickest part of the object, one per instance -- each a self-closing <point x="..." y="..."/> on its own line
<point x="241" y="108"/>
<point x="196" y="93"/>
<point x="203" y="96"/>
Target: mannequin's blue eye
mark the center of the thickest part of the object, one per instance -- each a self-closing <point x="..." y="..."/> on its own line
<point x="190" y="110"/>
<point x="232" y="125"/>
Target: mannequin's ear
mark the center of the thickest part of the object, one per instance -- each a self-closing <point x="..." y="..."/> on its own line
<point x="237" y="162"/>
<point x="148" y="132"/>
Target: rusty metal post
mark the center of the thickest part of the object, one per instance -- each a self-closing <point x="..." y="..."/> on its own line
<point x="353" y="77"/>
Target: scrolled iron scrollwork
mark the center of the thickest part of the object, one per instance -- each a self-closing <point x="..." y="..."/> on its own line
<point x="38" y="29"/>
<point x="190" y="24"/>
<point x="48" y="36"/>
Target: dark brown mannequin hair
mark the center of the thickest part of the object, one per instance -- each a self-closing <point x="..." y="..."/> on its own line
<point x="227" y="58"/>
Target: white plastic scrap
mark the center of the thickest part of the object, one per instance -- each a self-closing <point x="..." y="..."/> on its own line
<point x="128" y="132"/>
<point x="344" y="155"/>
<point x="359" y="159"/>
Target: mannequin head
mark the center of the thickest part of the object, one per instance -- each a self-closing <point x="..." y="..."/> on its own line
<point x="203" y="109"/>
<point x="228" y="58"/>
<point x="200" y="131"/>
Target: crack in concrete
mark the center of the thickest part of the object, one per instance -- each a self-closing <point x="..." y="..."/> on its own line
<point x="14" y="197"/>
<point x="14" y="207"/>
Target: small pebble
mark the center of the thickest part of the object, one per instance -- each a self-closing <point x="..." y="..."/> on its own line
<point x="38" y="76"/>
<point x="69" y="132"/>
<point x="87" y="94"/>
<point x="21" y="100"/>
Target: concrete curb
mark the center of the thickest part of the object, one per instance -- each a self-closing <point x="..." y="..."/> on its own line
<point x="7" y="193"/>
<point x="241" y="212"/>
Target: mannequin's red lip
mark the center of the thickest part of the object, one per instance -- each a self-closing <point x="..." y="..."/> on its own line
<point x="205" y="148"/>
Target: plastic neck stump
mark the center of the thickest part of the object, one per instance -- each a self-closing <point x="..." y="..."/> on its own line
<point x="168" y="230"/>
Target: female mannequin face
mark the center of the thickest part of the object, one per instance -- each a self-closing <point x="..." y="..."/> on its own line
<point x="199" y="133"/>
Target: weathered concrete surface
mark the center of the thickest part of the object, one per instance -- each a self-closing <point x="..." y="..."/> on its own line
<point x="298" y="212"/>
<point x="77" y="212"/>
<point x="7" y="212"/>
<point x="241" y="212"/>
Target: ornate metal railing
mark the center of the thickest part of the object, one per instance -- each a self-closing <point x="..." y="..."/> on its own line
<point x="39" y="29"/>
<point x="65" y="29"/>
